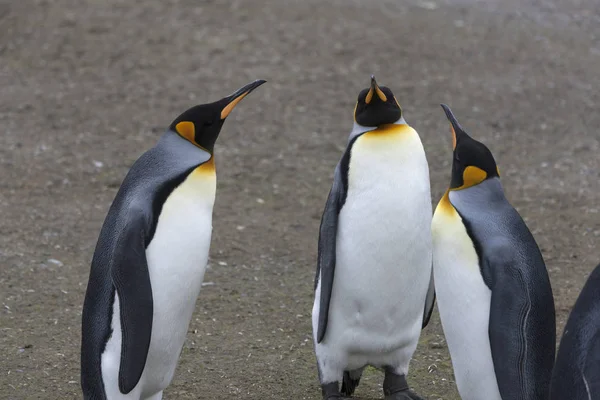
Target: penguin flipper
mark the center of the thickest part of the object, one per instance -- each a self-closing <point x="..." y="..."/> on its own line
<point x="429" y="301"/>
<point x="576" y="373"/>
<point x="131" y="278"/>
<point x="521" y="331"/>
<point x="327" y="249"/>
<point x="591" y="373"/>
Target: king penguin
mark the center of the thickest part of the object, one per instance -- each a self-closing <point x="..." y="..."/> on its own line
<point x="373" y="285"/>
<point x="150" y="259"/>
<point x="576" y="374"/>
<point x="492" y="286"/>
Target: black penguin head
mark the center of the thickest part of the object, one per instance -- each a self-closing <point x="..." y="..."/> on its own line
<point x="376" y="106"/>
<point x="201" y="124"/>
<point x="473" y="162"/>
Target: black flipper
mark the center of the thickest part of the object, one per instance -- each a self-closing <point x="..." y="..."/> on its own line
<point x="576" y="374"/>
<point x="591" y="371"/>
<point x="129" y="272"/>
<point x="522" y="340"/>
<point x="429" y="302"/>
<point x="327" y="248"/>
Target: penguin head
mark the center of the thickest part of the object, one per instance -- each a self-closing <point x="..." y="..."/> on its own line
<point x="376" y="106"/>
<point x="202" y="124"/>
<point x="473" y="162"/>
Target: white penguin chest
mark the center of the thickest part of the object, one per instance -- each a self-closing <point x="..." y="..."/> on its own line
<point x="386" y="217"/>
<point x="178" y="252"/>
<point x="464" y="305"/>
<point x="177" y="258"/>
<point x="383" y="254"/>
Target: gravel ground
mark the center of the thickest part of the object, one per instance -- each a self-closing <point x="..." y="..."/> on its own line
<point x="87" y="86"/>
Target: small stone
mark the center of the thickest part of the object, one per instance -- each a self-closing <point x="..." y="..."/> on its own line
<point x="55" y="262"/>
<point x="428" y="5"/>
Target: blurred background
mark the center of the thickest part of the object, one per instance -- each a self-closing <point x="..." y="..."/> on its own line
<point x="87" y="86"/>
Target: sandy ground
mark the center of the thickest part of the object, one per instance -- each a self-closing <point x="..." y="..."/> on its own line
<point x="87" y="86"/>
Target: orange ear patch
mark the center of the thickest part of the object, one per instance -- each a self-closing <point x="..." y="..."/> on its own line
<point x="472" y="176"/>
<point x="187" y="130"/>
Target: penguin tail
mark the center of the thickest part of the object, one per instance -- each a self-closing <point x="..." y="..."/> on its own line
<point x="350" y="382"/>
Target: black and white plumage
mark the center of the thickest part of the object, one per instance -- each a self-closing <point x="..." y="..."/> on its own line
<point x="150" y="259"/>
<point x="494" y="294"/>
<point x="373" y="289"/>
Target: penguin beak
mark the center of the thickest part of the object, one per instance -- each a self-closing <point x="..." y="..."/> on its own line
<point x="375" y="90"/>
<point x="232" y="100"/>
<point x="454" y="125"/>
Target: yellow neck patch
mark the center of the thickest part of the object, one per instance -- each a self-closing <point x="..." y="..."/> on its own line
<point x="208" y="168"/>
<point x="444" y="205"/>
<point x="388" y="129"/>
<point x="472" y="176"/>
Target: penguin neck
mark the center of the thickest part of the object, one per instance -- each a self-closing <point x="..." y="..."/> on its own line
<point x="358" y="129"/>
<point x="487" y="192"/>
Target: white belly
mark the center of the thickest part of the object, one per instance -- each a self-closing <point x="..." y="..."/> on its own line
<point x="177" y="258"/>
<point x="464" y="304"/>
<point x="383" y="263"/>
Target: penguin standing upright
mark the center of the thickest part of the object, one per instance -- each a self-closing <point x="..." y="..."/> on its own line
<point x="150" y="259"/>
<point x="373" y="286"/>
<point x="576" y="374"/>
<point x="492" y="286"/>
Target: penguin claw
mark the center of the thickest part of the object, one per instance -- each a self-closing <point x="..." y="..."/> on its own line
<point x="404" y="395"/>
<point x="331" y="391"/>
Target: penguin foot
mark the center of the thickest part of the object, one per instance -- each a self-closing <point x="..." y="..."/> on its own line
<point x="395" y="387"/>
<point x="404" y="395"/>
<point x="331" y="391"/>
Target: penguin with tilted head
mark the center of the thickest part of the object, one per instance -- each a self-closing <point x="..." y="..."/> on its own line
<point x="373" y="286"/>
<point x="150" y="259"/>
<point x="492" y="286"/>
<point x="576" y="374"/>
